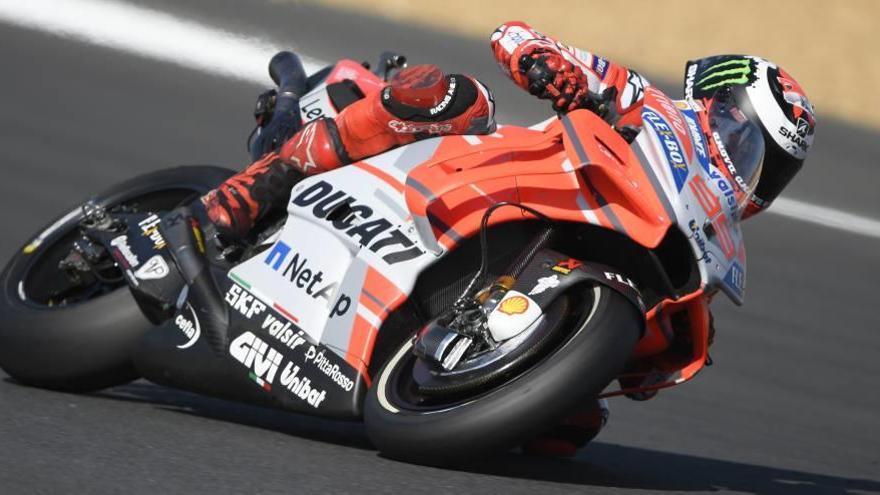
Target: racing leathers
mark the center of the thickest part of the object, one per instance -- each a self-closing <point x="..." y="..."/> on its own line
<point x="420" y="102"/>
<point x="571" y="78"/>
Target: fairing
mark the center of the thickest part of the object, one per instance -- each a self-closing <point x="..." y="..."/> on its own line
<point x="703" y="199"/>
<point x="305" y="312"/>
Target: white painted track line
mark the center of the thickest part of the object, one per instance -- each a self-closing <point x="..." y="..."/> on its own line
<point x="827" y="217"/>
<point x="152" y="34"/>
<point x="161" y="36"/>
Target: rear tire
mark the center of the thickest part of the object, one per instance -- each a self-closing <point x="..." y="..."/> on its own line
<point x="86" y="345"/>
<point x="601" y="339"/>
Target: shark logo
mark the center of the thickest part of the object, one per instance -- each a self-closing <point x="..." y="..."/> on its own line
<point x="803" y="128"/>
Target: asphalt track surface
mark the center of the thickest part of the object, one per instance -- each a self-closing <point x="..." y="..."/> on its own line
<point x="791" y="405"/>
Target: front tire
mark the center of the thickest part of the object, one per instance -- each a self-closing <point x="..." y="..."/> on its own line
<point x="602" y="337"/>
<point x="84" y="345"/>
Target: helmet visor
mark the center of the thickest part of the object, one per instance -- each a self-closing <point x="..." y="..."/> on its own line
<point x="740" y="144"/>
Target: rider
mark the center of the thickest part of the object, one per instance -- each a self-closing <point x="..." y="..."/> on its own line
<point x="755" y="117"/>
<point x="420" y="102"/>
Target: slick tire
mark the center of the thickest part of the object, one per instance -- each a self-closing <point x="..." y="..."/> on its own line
<point x="86" y="345"/>
<point x="600" y="341"/>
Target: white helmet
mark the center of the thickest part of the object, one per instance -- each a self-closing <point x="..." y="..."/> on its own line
<point x="745" y="97"/>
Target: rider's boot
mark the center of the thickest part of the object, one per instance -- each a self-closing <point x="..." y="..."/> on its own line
<point x="575" y="431"/>
<point x="242" y="200"/>
<point x="246" y="197"/>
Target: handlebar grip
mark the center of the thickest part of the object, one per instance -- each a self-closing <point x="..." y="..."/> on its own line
<point x="287" y="71"/>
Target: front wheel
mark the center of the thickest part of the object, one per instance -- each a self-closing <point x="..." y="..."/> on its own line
<point x="598" y="333"/>
<point x="58" y="334"/>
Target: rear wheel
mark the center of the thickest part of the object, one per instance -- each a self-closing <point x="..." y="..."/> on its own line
<point x="596" y="331"/>
<point x="78" y="336"/>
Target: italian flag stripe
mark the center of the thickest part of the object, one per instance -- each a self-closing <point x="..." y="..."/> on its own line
<point x="235" y="278"/>
<point x="285" y="313"/>
<point x="259" y="381"/>
<point x="239" y="281"/>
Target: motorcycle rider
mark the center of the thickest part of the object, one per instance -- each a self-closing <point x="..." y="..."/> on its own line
<point x="419" y="102"/>
<point x="756" y="120"/>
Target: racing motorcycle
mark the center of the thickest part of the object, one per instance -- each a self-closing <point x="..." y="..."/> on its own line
<point x="461" y="294"/>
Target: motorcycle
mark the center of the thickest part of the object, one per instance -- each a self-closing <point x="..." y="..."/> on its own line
<point x="460" y="294"/>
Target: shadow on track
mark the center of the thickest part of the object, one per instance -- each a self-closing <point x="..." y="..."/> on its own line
<point x="345" y="433"/>
<point x="615" y="466"/>
<point x="599" y="465"/>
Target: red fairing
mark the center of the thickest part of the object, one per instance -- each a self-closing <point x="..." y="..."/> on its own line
<point x="351" y="70"/>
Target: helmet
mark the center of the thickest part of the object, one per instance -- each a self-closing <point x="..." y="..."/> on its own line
<point x="759" y="121"/>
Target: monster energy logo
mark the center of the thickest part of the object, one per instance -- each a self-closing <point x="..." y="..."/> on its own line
<point x="738" y="71"/>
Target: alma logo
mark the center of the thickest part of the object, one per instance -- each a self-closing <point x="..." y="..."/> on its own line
<point x="258" y="357"/>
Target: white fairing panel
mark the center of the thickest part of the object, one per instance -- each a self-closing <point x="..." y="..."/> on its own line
<point x="349" y="246"/>
<point x="702" y="198"/>
<point x="301" y="273"/>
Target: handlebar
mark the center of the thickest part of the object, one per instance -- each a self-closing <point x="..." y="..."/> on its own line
<point x="287" y="71"/>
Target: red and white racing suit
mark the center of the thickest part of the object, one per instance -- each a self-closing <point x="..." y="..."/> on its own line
<point x="583" y="77"/>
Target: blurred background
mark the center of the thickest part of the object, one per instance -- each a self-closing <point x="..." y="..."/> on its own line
<point x="96" y="91"/>
<point x="826" y="46"/>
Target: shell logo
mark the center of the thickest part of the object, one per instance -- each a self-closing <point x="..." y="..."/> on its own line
<point x="514" y="306"/>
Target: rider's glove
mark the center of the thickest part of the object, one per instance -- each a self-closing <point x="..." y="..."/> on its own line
<point x="550" y="76"/>
<point x="265" y="106"/>
<point x="274" y="128"/>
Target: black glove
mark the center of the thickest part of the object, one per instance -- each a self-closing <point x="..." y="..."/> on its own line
<point x="277" y="119"/>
